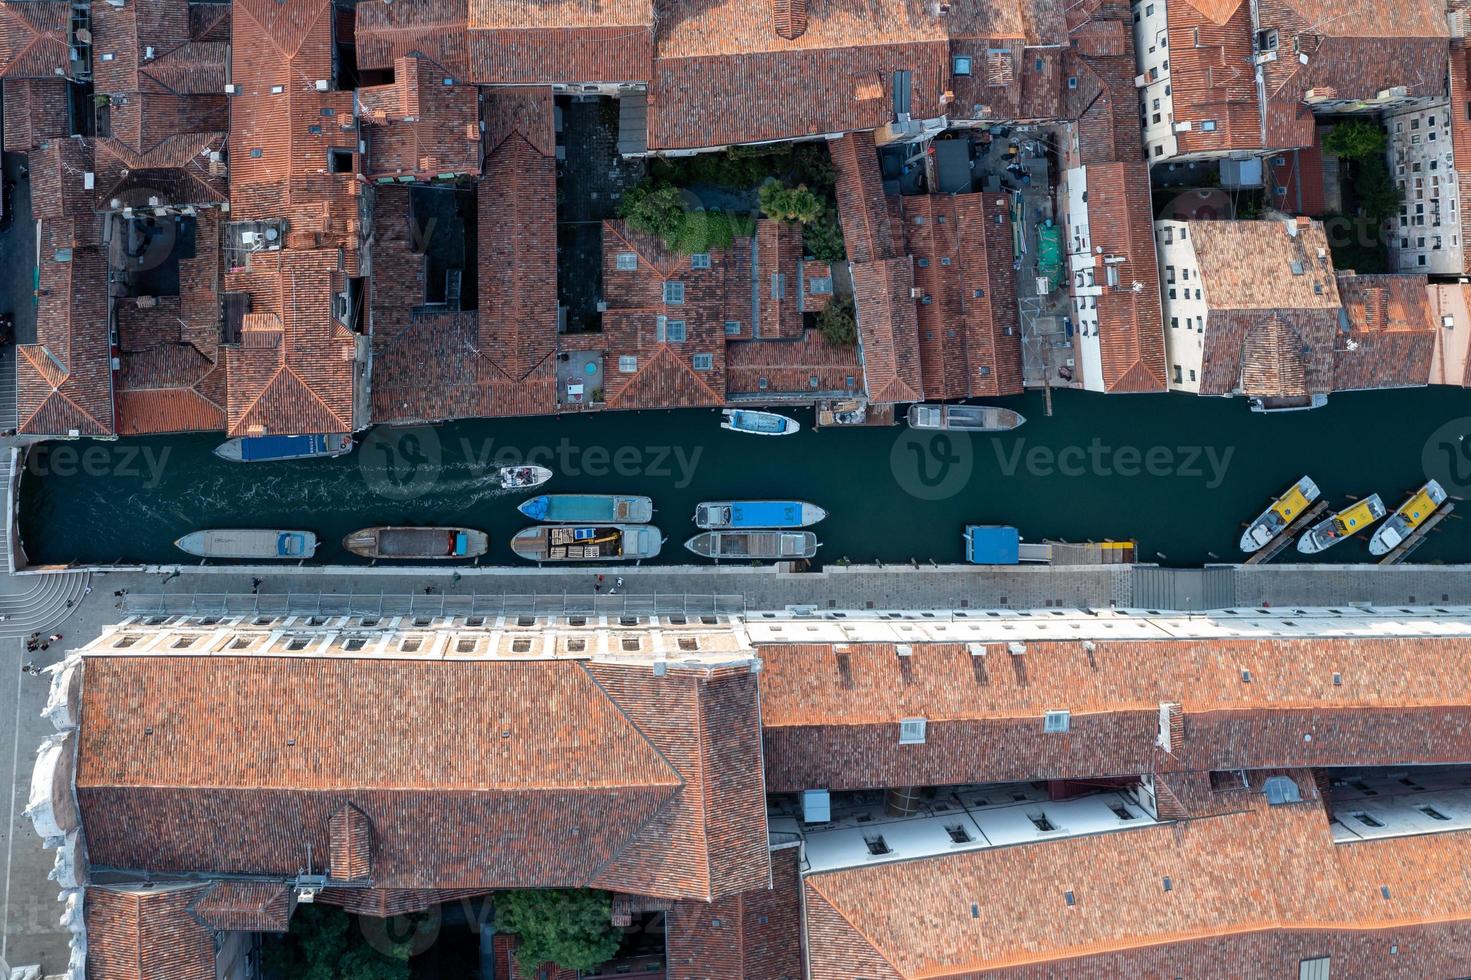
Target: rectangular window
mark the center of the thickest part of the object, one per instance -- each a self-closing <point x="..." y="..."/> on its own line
<point x="912" y="731"/>
<point x="958" y="833"/>
<point x="703" y="362"/>
<point x="674" y="331"/>
<point x="1208" y="126"/>
<point x="700" y="260"/>
<point x="1056" y="721"/>
<point x="339" y="161"/>
<point x="732" y="327"/>
<point x="1040" y="821"/>
<point x="627" y="261"/>
<point x="674" y="292"/>
<point x="1313" y="969"/>
<point x="628" y="364"/>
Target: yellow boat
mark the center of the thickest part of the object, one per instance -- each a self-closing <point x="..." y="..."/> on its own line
<point x="1346" y="523"/>
<point x="1411" y="514"/>
<point x="1284" y="510"/>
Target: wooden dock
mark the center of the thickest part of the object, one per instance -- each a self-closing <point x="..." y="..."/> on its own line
<point x="1417" y="537"/>
<point x="1280" y="542"/>
<point x="873" y="415"/>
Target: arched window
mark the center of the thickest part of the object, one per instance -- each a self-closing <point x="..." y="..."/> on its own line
<point x="1281" y="789"/>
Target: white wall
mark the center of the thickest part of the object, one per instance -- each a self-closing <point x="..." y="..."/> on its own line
<point x="1084" y="286"/>
<point x="1184" y="305"/>
<point x="1426" y="237"/>
<point x="1152" y="56"/>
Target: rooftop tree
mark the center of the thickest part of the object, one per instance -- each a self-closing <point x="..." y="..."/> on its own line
<point x="569" y="927"/>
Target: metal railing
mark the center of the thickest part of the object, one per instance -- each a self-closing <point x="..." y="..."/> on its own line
<point x="432" y="605"/>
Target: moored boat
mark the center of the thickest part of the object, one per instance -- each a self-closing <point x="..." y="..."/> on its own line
<point x="758" y="423"/>
<point x="588" y="508"/>
<point x="736" y="514"/>
<point x="417" y="542"/>
<point x="1411" y="514"/>
<point x="777" y="545"/>
<point x="587" y="542"/>
<point x="1346" y="523"/>
<point x="964" y="418"/>
<point x="249" y="543"/>
<point x="270" y="449"/>
<point x="522" y="477"/>
<point x="1284" y="510"/>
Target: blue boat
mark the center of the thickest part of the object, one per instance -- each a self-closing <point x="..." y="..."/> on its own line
<point x="738" y="514"/>
<point x="264" y="449"/>
<point x="249" y="543"/>
<point x="588" y="508"/>
<point x="758" y="423"/>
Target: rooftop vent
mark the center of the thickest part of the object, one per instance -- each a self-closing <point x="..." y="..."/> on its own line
<point x="789" y="18"/>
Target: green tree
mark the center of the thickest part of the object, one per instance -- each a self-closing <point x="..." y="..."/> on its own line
<point x="569" y="927"/>
<point x="786" y="203"/>
<point x="837" y="323"/>
<point x="1379" y="198"/>
<point x="654" y="211"/>
<point x="324" y="945"/>
<point x="823" y="238"/>
<point x="1356" y="139"/>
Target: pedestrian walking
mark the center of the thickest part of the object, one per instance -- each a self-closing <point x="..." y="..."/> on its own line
<point x="45" y="646"/>
<point x="86" y="592"/>
<point x="54" y="637"/>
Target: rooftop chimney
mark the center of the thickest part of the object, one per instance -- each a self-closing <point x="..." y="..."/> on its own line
<point x="789" y="17"/>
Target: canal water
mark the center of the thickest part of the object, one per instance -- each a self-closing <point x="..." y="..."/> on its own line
<point x="1178" y="473"/>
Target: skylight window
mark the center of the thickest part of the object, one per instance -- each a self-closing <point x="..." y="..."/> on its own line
<point x="912" y="731"/>
<point x="1057" y="722"/>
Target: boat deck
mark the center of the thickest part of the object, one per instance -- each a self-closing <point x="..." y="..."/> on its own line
<point x="1282" y="541"/>
<point x="1417" y="537"/>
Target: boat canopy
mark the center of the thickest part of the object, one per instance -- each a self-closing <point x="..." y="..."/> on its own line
<point x="992" y="544"/>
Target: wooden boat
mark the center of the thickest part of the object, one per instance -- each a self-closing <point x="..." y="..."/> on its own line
<point x="744" y="545"/>
<point x="1346" y="523"/>
<point x="249" y="543"/>
<point x="522" y="477"/>
<point x="417" y="542"/>
<point x="587" y="542"/>
<point x="758" y="423"/>
<point x="588" y="508"/>
<point x="270" y="449"/>
<point x="735" y="514"/>
<point x="964" y="418"/>
<point x="1287" y="508"/>
<point x="1411" y="514"/>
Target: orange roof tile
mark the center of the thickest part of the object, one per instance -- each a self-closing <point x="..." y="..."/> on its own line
<point x="33" y="39"/>
<point x="145" y="932"/>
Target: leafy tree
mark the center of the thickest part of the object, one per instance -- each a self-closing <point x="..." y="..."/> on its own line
<point x="786" y="203"/>
<point x="1379" y="198"/>
<point x="823" y="238"/>
<point x="323" y="945"/>
<point x="1356" y="139"/>
<point x="654" y="210"/>
<point x="569" y="927"/>
<point x="837" y="322"/>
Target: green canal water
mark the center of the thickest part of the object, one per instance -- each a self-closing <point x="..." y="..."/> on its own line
<point x="1178" y="473"/>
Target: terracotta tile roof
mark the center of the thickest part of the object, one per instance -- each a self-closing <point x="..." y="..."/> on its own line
<point x="1269" y="353"/>
<point x="779" y="293"/>
<point x="64" y="380"/>
<point x="33" y="39"/>
<point x="1391" y="333"/>
<point x="969" y="339"/>
<point x="944" y="917"/>
<point x="293" y="370"/>
<point x="58" y="178"/>
<point x="1250" y="265"/>
<point x="1210" y="75"/>
<point x="423" y="124"/>
<point x="245" y="906"/>
<point x="656" y="788"/>
<point x="1104" y="101"/>
<point x="350" y="833"/>
<point x="177" y="169"/>
<point x="715" y="99"/>
<point x="35" y="111"/>
<point x="888" y="330"/>
<point x="1009" y="80"/>
<point x="870" y="228"/>
<point x="1355" y="49"/>
<point x="387" y="30"/>
<point x="830" y="718"/>
<point x="145" y="932"/>
<point x="771" y="369"/>
<point x="1460" y="88"/>
<point x="150" y="47"/>
<point x="384" y="903"/>
<point x="529" y="56"/>
<point x="750" y="936"/>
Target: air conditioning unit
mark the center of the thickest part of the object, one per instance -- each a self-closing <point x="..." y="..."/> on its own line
<point x="231" y="89"/>
<point x="322" y="85"/>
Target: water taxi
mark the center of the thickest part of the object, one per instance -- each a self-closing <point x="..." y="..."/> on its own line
<point x="1411" y="514"/>
<point x="249" y="543"/>
<point x="758" y="423"/>
<point x="778" y="545"/>
<point x="723" y="514"/>
<point x="964" y="418"/>
<point x="588" y="508"/>
<point x="587" y="542"/>
<point x="417" y="542"/>
<point x="271" y="449"/>
<point x="1284" y="510"/>
<point x="521" y="477"/>
<point x="1347" y="522"/>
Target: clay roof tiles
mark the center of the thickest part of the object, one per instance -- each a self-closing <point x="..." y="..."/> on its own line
<point x="35" y="111"/>
<point x="888" y="330"/>
<point x="1391" y="333"/>
<point x="424" y="123"/>
<point x="146" y="933"/>
<point x="33" y="39"/>
<point x="1130" y="322"/>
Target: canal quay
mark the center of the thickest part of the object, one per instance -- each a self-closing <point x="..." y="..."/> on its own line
<point x="1179" y="474"/>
